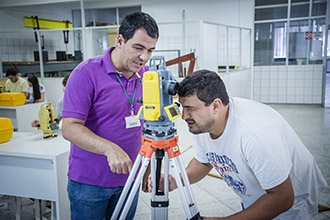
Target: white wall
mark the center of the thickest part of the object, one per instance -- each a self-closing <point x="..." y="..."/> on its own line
<point x="238" y="83"/>
<point x="54" y="89"/>
<point x="300" y="84"/>
<point x="209" y="46"/>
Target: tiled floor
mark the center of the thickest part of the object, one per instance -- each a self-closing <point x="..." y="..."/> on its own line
<point x="213" y="197"/>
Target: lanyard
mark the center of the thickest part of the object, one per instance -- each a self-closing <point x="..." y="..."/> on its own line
<point x="129" y="100"/>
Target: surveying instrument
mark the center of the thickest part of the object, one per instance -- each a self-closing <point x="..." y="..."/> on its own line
<point x="159" y="141"/>
<point x="47" y="120"/>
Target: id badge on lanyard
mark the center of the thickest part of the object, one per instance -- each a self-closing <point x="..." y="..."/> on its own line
<point x="132" y="120"/>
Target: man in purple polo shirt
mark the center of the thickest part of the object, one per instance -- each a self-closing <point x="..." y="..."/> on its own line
<point x="99" y="119"/>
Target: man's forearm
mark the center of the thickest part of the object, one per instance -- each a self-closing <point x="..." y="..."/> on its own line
<point x="197" y="171"/>
<point x="264" y="208"/>
<point x="84" y="138"/>
<point x="75" y="131"/>
<point x="268" y="206"/>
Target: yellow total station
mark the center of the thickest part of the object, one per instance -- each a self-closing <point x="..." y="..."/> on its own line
<point x="158" y="89"/>
<point x="47" y="120"/>
<point x="151" y="96"/>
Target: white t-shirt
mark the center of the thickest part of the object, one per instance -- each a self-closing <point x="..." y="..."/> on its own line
<point x="257" y="151"/>
<point x="58" y="111"/>
<point x="30" y="91"/>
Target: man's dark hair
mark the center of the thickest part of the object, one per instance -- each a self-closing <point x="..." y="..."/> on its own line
<point x="133" y="22"/>
<point x="206" y="84"/>
<point x="11" y="71"/>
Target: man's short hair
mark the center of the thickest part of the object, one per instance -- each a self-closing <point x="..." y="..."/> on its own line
<point x="11" y="72"/>
<point x="135" y="21"/>
<point x="206" y="84"/>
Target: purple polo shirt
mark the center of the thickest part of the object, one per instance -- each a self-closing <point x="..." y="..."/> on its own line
<point x="94" y="94"/>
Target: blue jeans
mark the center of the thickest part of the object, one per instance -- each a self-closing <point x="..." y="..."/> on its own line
<point x="88" y="202"/>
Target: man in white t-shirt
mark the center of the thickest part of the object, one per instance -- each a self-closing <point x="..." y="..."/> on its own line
<point x="253" y="149"/>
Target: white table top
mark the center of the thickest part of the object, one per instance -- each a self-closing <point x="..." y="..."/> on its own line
<point x="24" y="144"/>
<point x="18" y="106"/>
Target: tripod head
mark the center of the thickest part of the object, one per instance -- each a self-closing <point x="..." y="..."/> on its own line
<point x="158" y="110"/>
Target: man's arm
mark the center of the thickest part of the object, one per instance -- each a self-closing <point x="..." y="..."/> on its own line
<point x="195" y="172"/>
<point x="276" y="201"/>
<point x="6" y="86"/>
<point x="75" y="131"/>
<point x="23" y="88"/>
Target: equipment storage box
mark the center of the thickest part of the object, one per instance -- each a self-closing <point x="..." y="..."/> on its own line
<point x="12" y="99"/>
<point x="6" y="130"/>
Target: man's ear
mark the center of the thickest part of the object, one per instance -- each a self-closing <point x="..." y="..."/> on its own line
<point x="120" y="40"/>
<point x="217" y="104"/>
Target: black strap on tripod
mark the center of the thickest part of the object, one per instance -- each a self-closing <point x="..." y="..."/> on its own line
<point x="159" y="157"/>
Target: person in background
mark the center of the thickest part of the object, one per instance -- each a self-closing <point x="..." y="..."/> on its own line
<point x="58" y="109"/>
<point x="99" y="119"/>
<point x="35" y="91"/>
<point x="253" y="149"/>
<point x="14" y="82"/>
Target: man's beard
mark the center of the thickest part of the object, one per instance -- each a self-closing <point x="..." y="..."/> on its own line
<point x="203" y="128"/>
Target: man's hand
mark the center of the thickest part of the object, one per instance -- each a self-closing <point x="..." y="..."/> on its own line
<point x="171" y="183"/>
<point x="35" y="123"/>
<point x="118" y="160"/>
<point x="145" y="179"/>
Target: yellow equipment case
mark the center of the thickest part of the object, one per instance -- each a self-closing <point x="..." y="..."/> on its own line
<point x="12" y="99"/>
<point x="6" y="130"/>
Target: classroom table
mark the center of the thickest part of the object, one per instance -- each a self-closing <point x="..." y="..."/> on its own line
<point x="36" y="168"/>
<point x="21" y="116"/>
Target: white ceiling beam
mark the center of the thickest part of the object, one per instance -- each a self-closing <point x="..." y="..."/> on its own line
<point x="14" y="3"/>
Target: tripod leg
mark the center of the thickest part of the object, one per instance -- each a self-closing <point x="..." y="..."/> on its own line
<point x="180" y="188"/>
<point x="159" y="200"/>
<point x="185" y="180"/>
<point x="190" y="208"/>
<point x="126" y="187"/>
<point x="134" y="189"/>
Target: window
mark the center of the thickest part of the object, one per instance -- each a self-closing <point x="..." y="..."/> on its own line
<point x="102" y="17"/>
<point x="270" y="2"/>
<point x="297" y="39"/>
<point x="127" y="10"/>
<point x="297" y="42"/>
<point x="299" y="11"/>
<point x="280" y="41"/>
<point x="319" y="9"/>
<point x="317" y="45"/>
<point x="271" y="13"/>
<point x="270" y="43"/>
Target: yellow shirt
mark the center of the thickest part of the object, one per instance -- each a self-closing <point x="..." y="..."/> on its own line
<point x="18" y="86"/>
